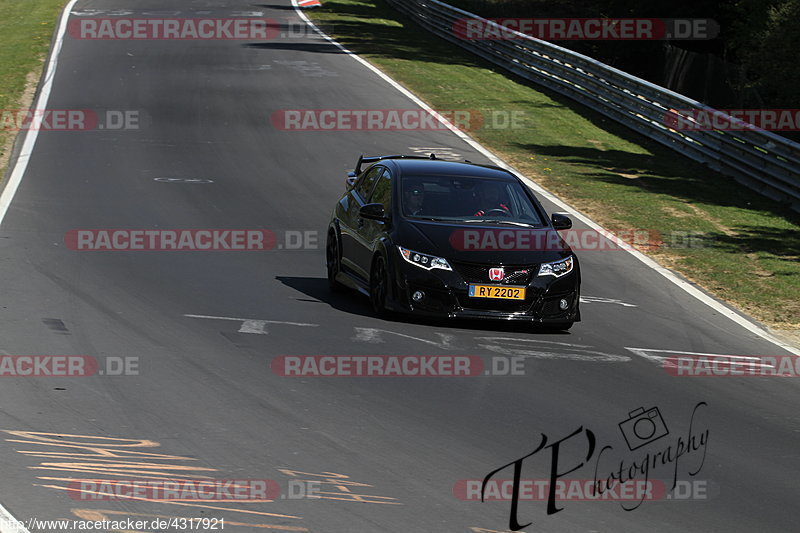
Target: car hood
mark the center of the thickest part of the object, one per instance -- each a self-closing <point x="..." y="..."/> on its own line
<point x="477" y="243"/>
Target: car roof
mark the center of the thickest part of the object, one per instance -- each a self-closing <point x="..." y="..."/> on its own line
<point x="422" y="167"/>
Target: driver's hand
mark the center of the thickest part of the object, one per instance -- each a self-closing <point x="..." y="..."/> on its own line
<point x="480" y="214"/>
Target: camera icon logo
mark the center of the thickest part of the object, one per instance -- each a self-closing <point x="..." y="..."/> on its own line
<point x="643" y="427"/>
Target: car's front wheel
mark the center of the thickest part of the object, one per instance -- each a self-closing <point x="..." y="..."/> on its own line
<point x="333" y="262"/>
<point x="379" y="286"/>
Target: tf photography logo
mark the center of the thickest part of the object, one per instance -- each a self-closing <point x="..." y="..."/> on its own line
<point x="643" y="428"/>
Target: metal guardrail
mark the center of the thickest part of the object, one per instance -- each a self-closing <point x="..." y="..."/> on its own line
<point x="759" y="159"/>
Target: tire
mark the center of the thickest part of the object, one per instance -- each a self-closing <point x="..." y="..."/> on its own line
<point x="379" y="287"/>
<point x="333" y="263"/>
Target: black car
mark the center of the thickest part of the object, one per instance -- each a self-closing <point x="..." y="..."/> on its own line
<point x="449" y="239"/>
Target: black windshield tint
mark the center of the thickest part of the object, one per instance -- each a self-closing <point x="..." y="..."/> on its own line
<point x="467" y="199"/>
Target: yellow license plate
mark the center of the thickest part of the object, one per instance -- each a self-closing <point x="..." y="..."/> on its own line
<point x="497" y="291"/>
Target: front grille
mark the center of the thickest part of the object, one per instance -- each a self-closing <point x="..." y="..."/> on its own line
<point x="472" y="273"/>
<point x="479" y="273"/>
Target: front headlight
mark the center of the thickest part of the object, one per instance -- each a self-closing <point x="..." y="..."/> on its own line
<point x="428" y="262"/>
<point x="557" y="268"/>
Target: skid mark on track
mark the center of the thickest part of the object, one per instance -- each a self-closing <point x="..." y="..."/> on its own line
<point x="504" y="345"/>
<point x="669" y="358"/>
<point x="376" y="336"/>
<point x="601" y="300"/>
<point x="539" y="349"/>
<point x="254" y="325"/>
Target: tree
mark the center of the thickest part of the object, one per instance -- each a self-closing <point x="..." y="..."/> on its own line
<point x="772" y="64"/>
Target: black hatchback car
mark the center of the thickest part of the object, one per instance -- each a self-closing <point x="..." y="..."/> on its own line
<point x="448" y="239"/>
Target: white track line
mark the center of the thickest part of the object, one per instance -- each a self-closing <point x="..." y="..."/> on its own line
<point x="31" y="134"/>
<point x="671" y="276"/>
<point x="8" y="524"/>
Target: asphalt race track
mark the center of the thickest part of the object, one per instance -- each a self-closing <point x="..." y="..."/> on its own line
<point x="199" y="329"/>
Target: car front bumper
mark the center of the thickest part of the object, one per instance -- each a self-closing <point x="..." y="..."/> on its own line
<point x="446" y="296"/>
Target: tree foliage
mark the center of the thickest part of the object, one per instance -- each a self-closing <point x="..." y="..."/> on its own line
<point x="760" y="38"/>
<point x="771" y="60"/>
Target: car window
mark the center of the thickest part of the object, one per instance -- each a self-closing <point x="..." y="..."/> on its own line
<point x="467" y="199"/>
<point x="382" y="194"/>
<point x="364" y="185"/>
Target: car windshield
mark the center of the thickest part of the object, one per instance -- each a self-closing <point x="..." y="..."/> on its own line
<point x="468" y="200"/>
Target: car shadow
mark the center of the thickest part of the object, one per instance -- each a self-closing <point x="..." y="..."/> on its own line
<point x="317" y="48"/>
<point x="347" y="301"/>
<point x="352" y="302"/>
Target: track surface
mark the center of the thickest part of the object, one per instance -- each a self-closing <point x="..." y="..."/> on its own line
<point x="205" y="392"/>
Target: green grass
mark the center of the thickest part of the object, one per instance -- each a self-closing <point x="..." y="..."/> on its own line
<point x="25" y="30"/>
<point x="750" y="252"/>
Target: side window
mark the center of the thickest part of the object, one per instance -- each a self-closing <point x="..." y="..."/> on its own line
<point x="364" y="185"/>
<point x="382" y="194"/>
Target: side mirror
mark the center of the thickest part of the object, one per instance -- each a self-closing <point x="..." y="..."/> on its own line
<point x="561" y="221"/>
<point x="372" y="212"/>
<point x="351" y="179"/>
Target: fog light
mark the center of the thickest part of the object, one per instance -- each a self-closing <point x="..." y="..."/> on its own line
<point x="563" y="304"/>
<point x="418" y="296"/>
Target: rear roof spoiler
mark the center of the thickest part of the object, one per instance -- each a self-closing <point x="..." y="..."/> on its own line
<point x="375" y="159"/>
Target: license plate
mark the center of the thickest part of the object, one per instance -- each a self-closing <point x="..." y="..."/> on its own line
<point x="497" y="291"/>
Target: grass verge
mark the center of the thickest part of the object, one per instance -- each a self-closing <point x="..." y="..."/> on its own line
<point x="26" y="27"/>
<point x="729" y="240"/>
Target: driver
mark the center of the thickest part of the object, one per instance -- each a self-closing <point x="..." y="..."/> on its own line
<point x="414" y="197"/>
<point x="489" y="195"/>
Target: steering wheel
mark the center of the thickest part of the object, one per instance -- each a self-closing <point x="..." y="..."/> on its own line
<point x="498" y="212"/>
